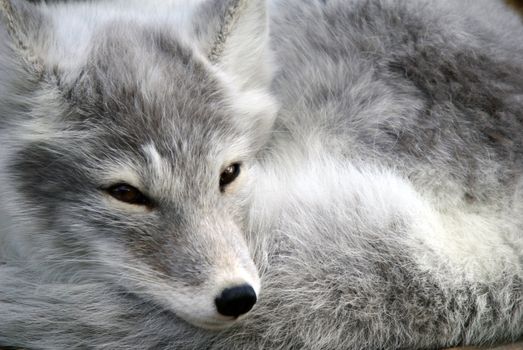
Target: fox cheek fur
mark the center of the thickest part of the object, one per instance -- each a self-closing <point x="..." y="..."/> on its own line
<point x="166" y="130"/>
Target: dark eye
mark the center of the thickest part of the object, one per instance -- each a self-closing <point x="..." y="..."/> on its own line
<point x="229" y="175"/>
<point x="128" y="194"/>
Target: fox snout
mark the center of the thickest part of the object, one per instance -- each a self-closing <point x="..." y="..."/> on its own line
<point x="213" y="279"/>
<point x="236" y="301"/>
<point x="237" y="287"/>
<point x="226" y="300"/>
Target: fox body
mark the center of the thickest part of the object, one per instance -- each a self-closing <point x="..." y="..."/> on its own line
<point x="357" y="165"/>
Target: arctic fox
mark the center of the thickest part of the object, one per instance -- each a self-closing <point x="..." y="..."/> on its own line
<point x="236" y="174"/>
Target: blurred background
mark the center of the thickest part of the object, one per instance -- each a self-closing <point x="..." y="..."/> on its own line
<point x="518" y="4"/>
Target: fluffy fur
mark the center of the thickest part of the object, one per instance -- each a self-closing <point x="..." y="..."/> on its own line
<point x="380" y="208"/>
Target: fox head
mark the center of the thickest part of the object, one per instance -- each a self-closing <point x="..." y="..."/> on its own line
<point x="128" y="133"/>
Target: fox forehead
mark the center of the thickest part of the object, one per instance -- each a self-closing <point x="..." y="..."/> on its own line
<point x="157" y="89"/>
<point x="150" y="74"/>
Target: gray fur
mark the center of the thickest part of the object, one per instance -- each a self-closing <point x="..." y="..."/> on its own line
<point x="383" y="210"/>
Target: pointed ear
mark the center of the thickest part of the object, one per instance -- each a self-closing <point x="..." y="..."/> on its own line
<point x="237" y="39"/>
<point x="21" y="70"/>
<point x="20" y="27"/>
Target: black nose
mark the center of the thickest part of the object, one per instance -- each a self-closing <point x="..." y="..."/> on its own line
<point x="236" y="301"/>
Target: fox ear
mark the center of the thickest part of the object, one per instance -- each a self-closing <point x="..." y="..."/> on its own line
<point x="237" y="39"/>
<point x="20" y="27"/>
<point x="21" y="69"/>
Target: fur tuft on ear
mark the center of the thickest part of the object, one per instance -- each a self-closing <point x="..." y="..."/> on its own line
<point x="21" y="67"/>
<point x="18" y="19"/>
<point x="237" y="40"/>
<point x="234" y="35"/>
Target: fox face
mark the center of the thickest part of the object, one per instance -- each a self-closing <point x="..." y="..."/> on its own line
<point x="131" y="151"/>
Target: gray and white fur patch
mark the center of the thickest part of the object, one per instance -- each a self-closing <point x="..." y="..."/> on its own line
<point x="379" y="198"/>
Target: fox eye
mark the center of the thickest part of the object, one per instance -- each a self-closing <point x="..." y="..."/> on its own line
<point x="128" y="194"/>
<point x="229" y="175"/>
